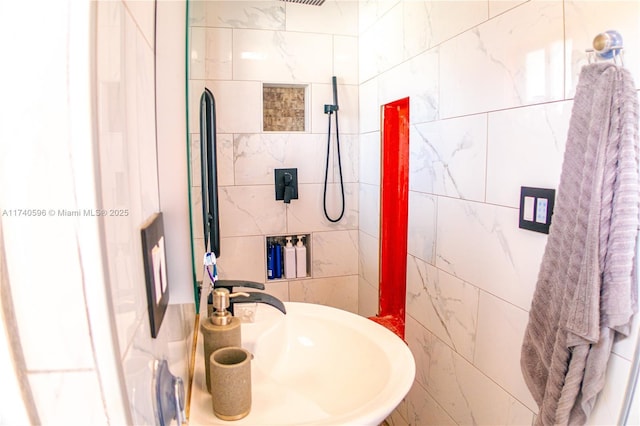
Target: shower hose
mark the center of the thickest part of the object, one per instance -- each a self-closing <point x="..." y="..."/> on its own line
<point x="326" y="170"/>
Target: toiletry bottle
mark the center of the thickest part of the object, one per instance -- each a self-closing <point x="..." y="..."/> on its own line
<point x="220" y="329"/>
<point x="277" y="261"/>
<point x="301" y="258"/>
<point x="289" y="260"/>
<point x="270" y="254"/>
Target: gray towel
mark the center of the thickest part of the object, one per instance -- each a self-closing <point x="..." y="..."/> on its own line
<point x="586" y="290"/>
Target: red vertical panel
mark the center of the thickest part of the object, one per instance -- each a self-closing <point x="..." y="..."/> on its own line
<point x="394" y="202"/>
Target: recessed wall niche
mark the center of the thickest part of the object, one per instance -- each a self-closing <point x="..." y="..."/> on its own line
<point x="283" y="108"/>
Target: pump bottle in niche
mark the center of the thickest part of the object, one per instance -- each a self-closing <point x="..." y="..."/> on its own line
<point x="270" y="254"/>
<point x="274" y="260"/>
<point x="277" y="260"/>
<point x="301" y="258"/>
<point x="289" y="260"/>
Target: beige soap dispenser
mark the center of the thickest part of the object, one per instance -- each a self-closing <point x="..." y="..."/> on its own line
<point x="221" y="329"/>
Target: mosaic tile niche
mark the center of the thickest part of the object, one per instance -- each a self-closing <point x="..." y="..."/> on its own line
<point x="283" y="108"/>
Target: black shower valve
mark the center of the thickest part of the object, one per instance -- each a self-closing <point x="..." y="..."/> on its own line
<point x="286" y="182"/>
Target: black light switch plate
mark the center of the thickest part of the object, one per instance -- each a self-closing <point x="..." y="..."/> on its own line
<point x="536" y="208"/>
<point x="155" y="271"/>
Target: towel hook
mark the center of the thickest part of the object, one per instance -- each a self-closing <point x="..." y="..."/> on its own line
<point x="607" y="45"/>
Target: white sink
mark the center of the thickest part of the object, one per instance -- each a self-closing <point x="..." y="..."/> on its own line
<point x="316" y="365"/>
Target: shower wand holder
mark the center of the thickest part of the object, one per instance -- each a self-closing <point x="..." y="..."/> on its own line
<point x="330" y="109"/>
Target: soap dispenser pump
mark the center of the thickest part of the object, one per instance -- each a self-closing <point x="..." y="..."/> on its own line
<point x="221" y="329"/>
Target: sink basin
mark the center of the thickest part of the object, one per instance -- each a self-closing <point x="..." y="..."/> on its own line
<point x="316" y="365"/>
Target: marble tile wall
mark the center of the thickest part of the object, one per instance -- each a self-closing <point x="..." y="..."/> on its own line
<point x="55" y="345"/>
<point x="55" y="300"/>
<point x="129" y="181"/>
<point x="74" y="284"/>
<point x="491" y="86"/>
<point x="236" y="47"/>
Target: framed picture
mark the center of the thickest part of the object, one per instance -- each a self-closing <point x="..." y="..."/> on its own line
<point x="155" y="271"/>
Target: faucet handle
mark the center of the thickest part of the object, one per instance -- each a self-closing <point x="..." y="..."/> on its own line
<point x="230" y="284"/>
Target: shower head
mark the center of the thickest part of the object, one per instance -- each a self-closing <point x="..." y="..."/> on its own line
<point x="307" y="2"/>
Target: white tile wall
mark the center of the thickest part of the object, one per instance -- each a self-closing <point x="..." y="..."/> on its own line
<point x="322" y="94"/>
<point x="492" y="77"/>
<point x="466" y="394"/>
<point x="421" y="238"/>
<point x="380" y="47"/>
<point x="445" y="304"/>
<point x="280" y="56"/>
<point x="68" y="388"/>
<point x="256" y="155"/>
<point x="369" y="154"/>
<point x="238" y="106"/>
<point x="129" y="180"/>
<point x="59" y="299"/>
<point x="243" y="258"/>
<point x="419" y="76"/>
<point x="218" y="53"/>
<point x="424" y="410"/>
<point x="335" y="253"/>
<point x="197" y="53"/>
<point x="367" y="298"/>
<point x="345" y="54"/>
<point x="129" y="173"/>
<point x="490" y="84"/>
<point x="370" y="209"/>
<point x="268" y="15"/>
<point x="512" y="60"/>
<point x="481" y="244"/>
<point x="25" y="169"/>
<point x="526" y="145"/>
<point x="15" y="409"/>
<point x="368" y="258"/>
<point x="266" y="42"/>
<point x="339" y="292"/>
<point x="250" y="210"/>
<point x="279" y="289"/>
<point x="448" y="157"/>
<point x="430" y="23"/>
<point x="307" y="212"/>
<point x="369" y="107"/>
<point x="500" y="6"/>
<point x="143" y="13"/>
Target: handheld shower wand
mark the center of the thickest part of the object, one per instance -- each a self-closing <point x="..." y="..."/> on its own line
<point x="330" y="110"/>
